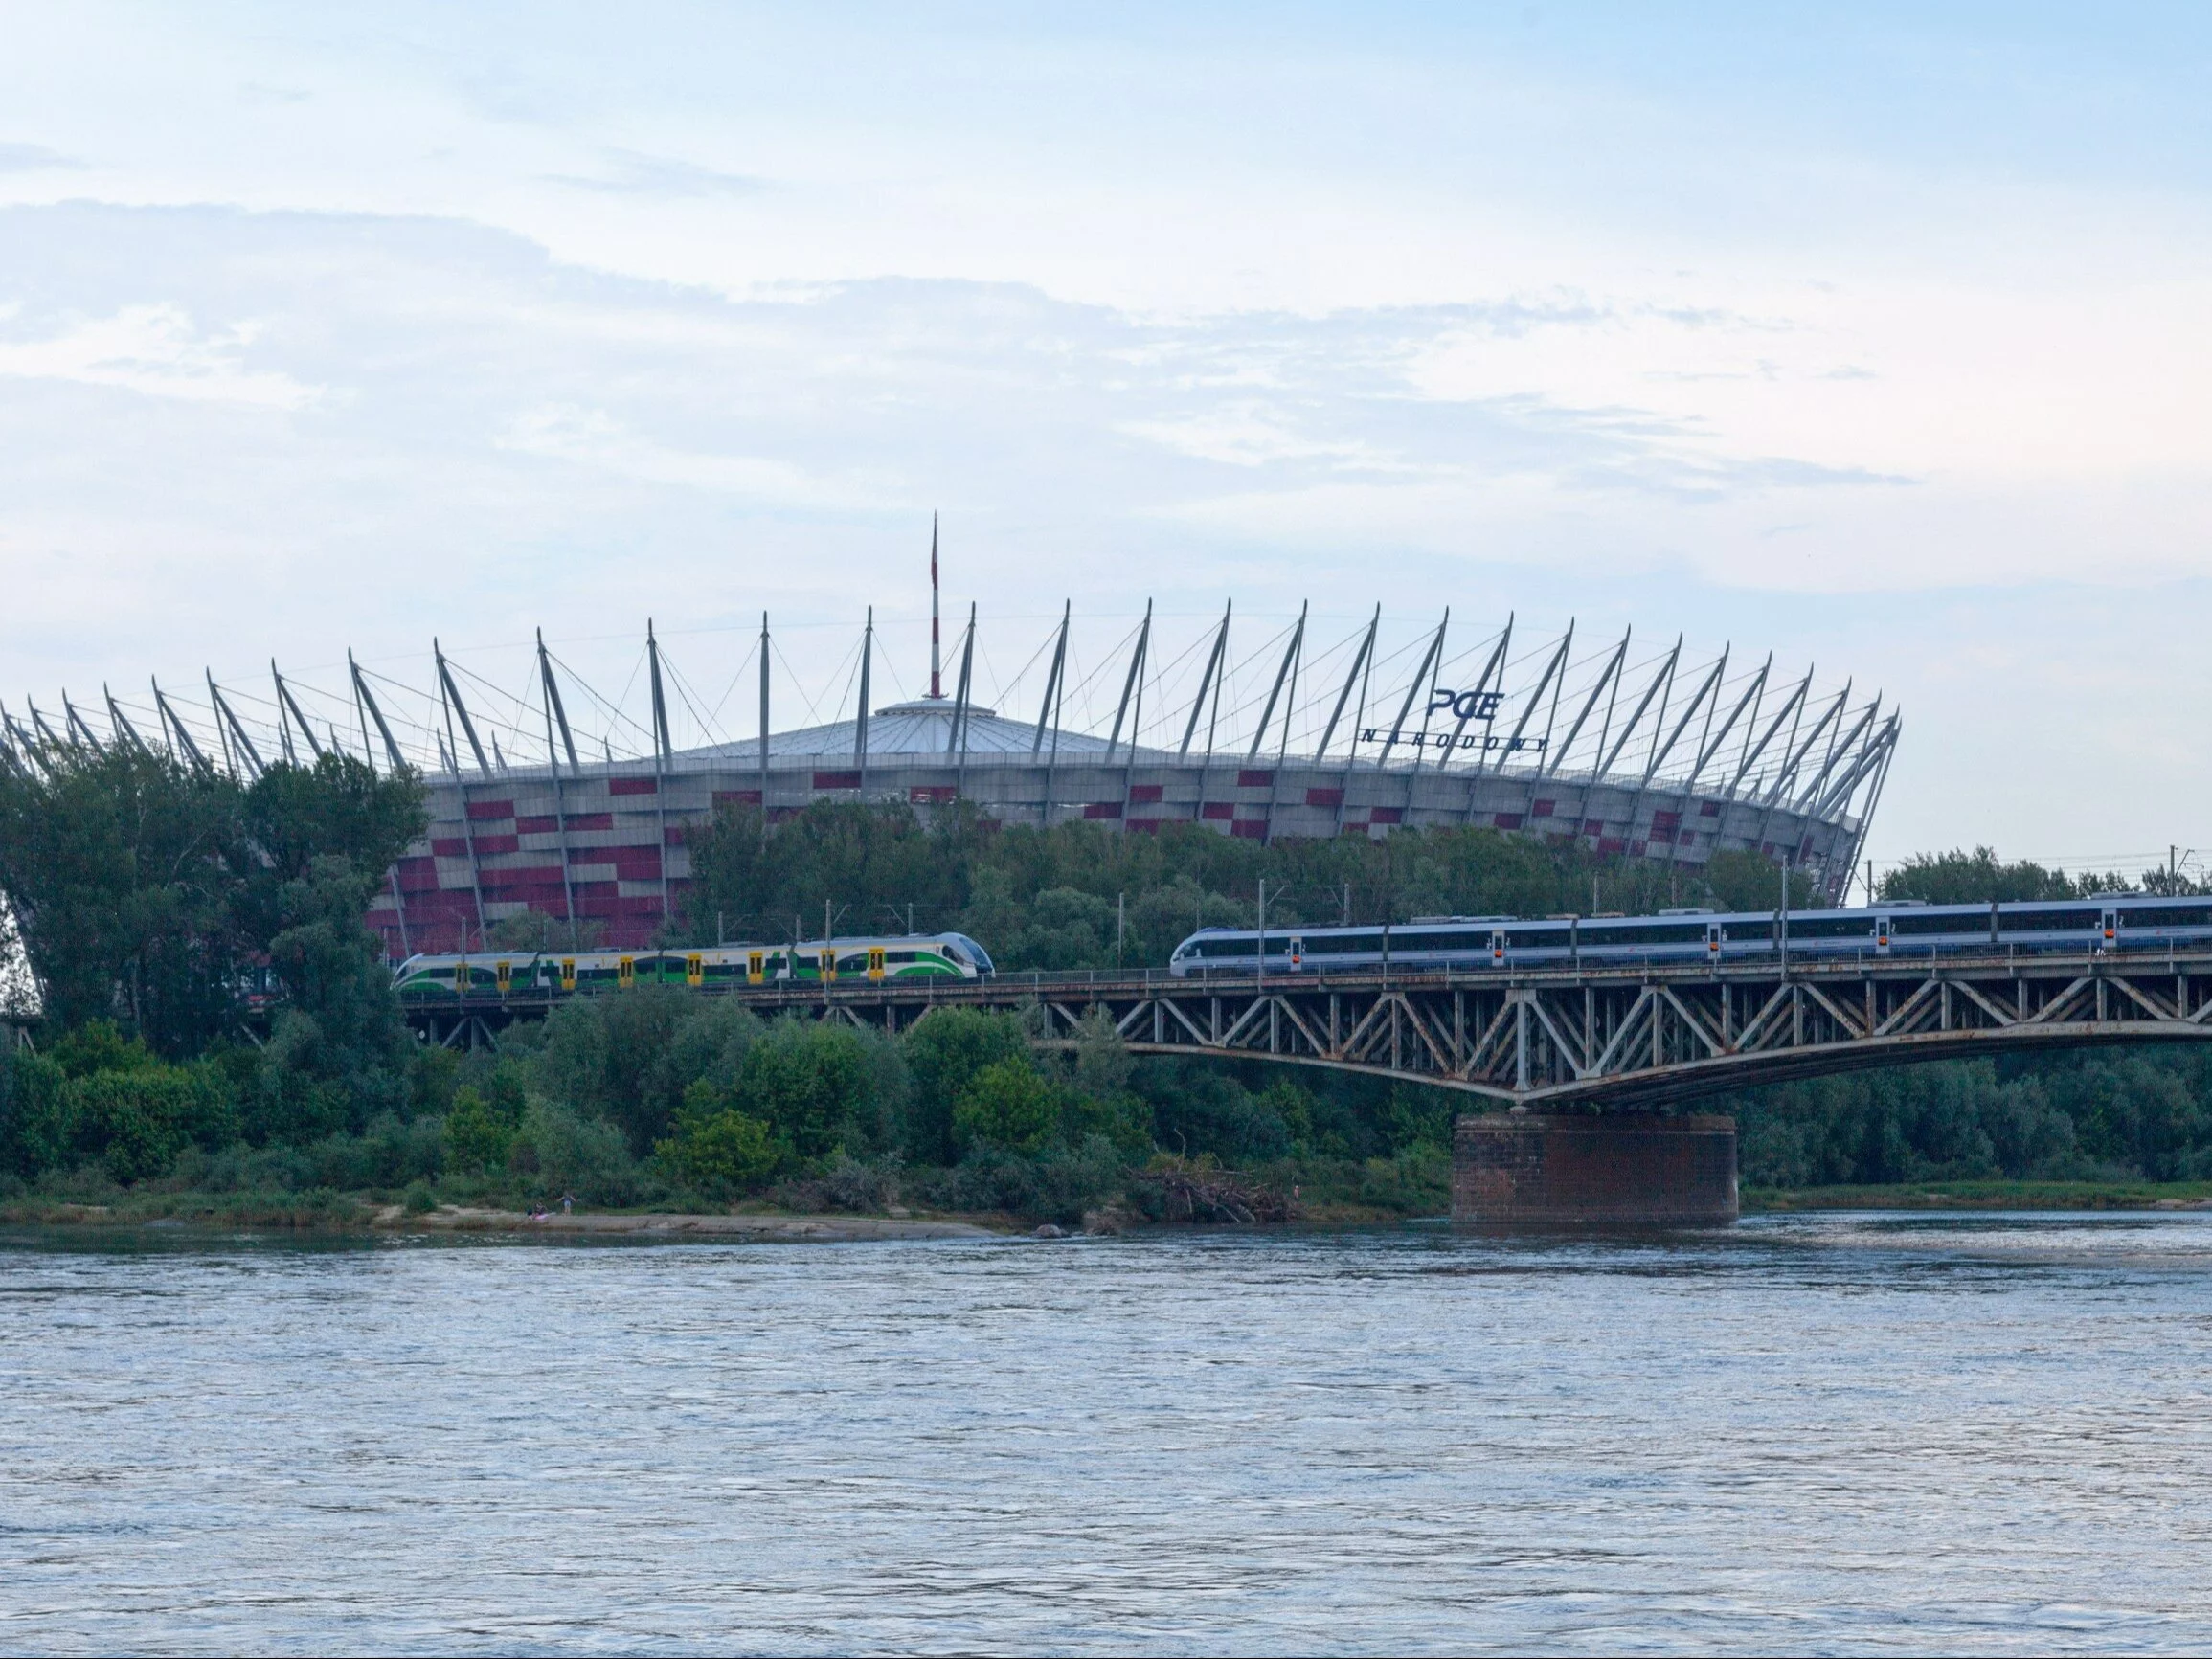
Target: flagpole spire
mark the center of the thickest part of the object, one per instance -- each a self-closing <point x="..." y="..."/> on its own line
<point x="937" y="683"/>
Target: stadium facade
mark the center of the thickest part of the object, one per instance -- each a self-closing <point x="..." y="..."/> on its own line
<point x="1656" y="759"/>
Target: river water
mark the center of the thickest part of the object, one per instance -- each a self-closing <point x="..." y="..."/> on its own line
<point x="1833" y="1433"/>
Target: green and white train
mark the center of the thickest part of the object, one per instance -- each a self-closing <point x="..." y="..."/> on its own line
<point x="539" y="975"/>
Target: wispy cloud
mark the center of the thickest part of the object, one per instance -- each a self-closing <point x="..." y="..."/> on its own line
<point x="156" y="350"/>
<point x="631" y="173"/>
<point x="28" y="158"/>
<point x="591" y="437"/>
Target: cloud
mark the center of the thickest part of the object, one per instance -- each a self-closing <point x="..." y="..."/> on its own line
<point x="590" y="437"/>
<point x="630" y="173"/>
<point x="155" y="350"/>
<point x="26" y="158"/>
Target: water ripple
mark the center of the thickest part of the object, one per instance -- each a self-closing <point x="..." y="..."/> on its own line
<point x="1809" y="1434"/>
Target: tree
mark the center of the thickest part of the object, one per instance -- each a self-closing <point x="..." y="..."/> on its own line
<point x="715" y="1148"/>
<point x="807" y="1080"/>
<point x="1742" y="880"/>
<point x="944" y="1050"/>
<point x="145" y="888"/>
<point x="537" y="932"/>
<point x="479" y="1129"/>
<point x="124" y="868"/>
<point x="1006" y="1106"/>
<point x="869" y="863"/>
<point x="333" y="971"/>
<point x="1979" y="878"/>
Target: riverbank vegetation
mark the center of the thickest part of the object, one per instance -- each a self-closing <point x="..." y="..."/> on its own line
<point x="221" y="1040"/>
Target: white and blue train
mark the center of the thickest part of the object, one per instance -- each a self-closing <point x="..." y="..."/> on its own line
<point x="1434" y="944"/>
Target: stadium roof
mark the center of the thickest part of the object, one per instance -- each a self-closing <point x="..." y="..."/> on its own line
<point x="922" y="728"/>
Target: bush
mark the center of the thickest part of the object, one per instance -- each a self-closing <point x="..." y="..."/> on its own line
<point x="1007" y="1106"/>
<point x="97" y="1099"/>
<point x="583" y="1156"/>
<point x="944" y="1050"/>
<point x="35" y="1117"/>
<point x="716" y="1148"/>
<point x="1059" y="1186"/>
<point x="812" y="1084"/>
<point x="850" y="1184"/>
<point x="479" y="1132"/>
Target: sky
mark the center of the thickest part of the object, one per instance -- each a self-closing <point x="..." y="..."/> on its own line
<point x="1872" y="337"/>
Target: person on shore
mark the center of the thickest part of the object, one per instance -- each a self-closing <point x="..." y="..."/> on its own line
<point x="568" y="1203"/>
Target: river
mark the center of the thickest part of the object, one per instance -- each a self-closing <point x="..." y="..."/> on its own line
<point x="1813" y="1433"/>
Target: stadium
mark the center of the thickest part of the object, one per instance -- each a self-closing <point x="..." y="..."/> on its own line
<point x="546" y="796"/>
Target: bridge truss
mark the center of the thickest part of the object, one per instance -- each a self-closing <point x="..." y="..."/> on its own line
<point x="1619" y="1037"/>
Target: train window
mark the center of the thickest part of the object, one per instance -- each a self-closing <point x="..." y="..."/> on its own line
<point x="1343" y="944"/>
<point x="1596" y="938"/>
<point x="1539" y="939"/>
<point x="1662" y="934"/>
<point x="2168" y="916"/>
<point x="1413" y="942"/>
<point x="1830" y="926"/>
<point x="1938" y="923"/>
<point x="2051" y="921"/>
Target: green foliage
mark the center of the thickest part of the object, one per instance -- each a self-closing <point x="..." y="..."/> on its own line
<point x="1007" y="1106"/>
<point x="35" y="1125"/>
<point x="944" y="1050"/>
<point x="106" y="1101"/>
<point x="99" y="1046"/>
<point x="1080" y="895"/>
<point x="535" y="931"/>
<point x="136" y="1122"/>
<point x="1058" y="1184"/>
<point x="1741" y="880"/>
<point x="715" y="1148"/>
<point x="481" y="1127"/>
<point x="568" y="1154"/>
<point x="1980" y="877"/>
<point x="336" y="807"/>
<point x="812" y="1083"/>
<point x="628" y="1058"/>
<point x="872" y="861"/>
<point x="144" y="887"/>
<point x="2095" y="1115"/>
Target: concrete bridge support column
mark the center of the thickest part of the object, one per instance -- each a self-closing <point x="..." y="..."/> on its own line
<point x="1617" y="1170"/>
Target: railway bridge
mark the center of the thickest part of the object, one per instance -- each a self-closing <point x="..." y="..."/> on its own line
<point x="1588" y="1062"/>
